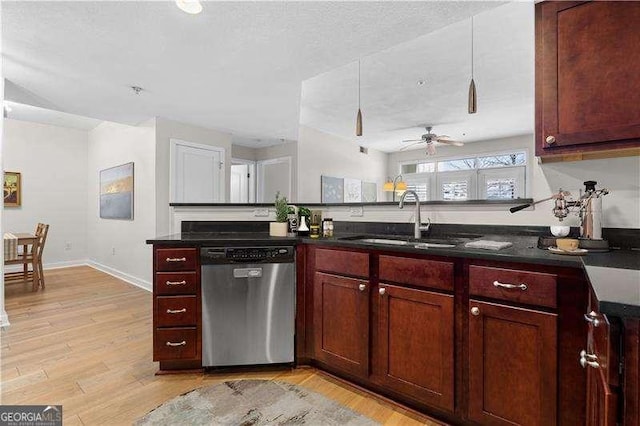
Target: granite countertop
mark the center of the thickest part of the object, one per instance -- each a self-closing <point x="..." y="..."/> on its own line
<point x="614" y="276"/>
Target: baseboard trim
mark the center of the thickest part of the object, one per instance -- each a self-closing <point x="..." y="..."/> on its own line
<point x="52" y="265"/>
<point x="4" y="319"/>
<point x="145" y="285"/>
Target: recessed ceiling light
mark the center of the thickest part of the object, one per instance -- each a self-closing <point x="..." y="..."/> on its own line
<point x="422" y="82"/>
<point x="192" y="7"/>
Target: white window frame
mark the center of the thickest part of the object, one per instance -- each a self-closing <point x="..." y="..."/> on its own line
<point x="476" y="178"/>
<point x="516" y="172"/>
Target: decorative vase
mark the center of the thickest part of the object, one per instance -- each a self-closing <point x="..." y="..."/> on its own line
<point x="278" y="229"/>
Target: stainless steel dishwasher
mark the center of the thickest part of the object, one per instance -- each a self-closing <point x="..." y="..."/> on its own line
<point x="248" y="305"/>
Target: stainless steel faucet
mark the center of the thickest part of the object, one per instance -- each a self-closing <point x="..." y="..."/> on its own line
<point x="419" y="227"/>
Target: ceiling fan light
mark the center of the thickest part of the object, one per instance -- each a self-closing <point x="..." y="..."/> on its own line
<point x="401" y="187"/>
<point x="431" y="149"/>
<point x="388" y="186"/>
<point x="192" y="7"/>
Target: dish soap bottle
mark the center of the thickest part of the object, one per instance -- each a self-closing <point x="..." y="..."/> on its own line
<point x="303" y="229"/>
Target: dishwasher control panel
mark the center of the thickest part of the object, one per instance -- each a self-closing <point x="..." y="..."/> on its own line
<point x="266" y="254"/>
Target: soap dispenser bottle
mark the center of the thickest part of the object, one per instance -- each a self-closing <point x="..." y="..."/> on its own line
<point x="303" y="228"/>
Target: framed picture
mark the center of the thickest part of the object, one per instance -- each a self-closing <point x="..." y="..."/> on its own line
<point x="12" y="189"/>
<point x="352" y="190"/>
<point x="332" y="189"/>
<point x="116" y="192"/>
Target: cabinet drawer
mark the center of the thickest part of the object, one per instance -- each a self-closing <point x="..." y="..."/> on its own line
<point x="343" y="262"/>
<point x="419" y="272"/>
<point x="175" y="343"/>
<point x="175" y="283"/>
<point x="176" y="310"/>
<point x="533" y="288"/>
<point x="176" y="259"/>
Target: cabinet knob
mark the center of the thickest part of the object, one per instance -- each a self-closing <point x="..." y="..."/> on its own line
<point x="592" y="317"/>
<point x="382" y="291"/>
<point x="362" y="287"/>
<point x="550" y="140"/>
<point x="475" y="311"/>
<point x="588" y="359"/>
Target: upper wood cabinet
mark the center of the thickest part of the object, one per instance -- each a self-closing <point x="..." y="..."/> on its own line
<point x="587" y="78"/>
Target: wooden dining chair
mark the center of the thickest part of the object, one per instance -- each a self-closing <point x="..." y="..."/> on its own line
<point x="33" y="257"/>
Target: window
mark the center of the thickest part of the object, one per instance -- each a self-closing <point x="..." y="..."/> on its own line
<point x="499" y="176"/>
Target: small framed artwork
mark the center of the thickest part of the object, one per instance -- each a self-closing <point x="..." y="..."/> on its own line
<point x="332" y="189"/>
<point x="352" y="190"/>
<point x="116" y="192"/>
<point x="12" y="189"/>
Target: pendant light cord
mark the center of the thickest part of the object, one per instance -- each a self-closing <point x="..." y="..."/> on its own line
<point x="472" y="47"/>
<point x="358" y="83"/>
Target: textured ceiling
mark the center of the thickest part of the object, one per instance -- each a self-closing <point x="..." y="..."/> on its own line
<point x="395" y="107"/>
<point x="237" y="66"/>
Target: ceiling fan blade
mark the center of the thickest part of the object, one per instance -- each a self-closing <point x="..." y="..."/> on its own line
<point x="444" y="137"/>
<point x="450" y="142"/>
<point x="404" y="148"/>
<point x="412" y="140"/>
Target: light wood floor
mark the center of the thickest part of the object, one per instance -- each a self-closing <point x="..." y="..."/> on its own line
<point x="85" y="342"/>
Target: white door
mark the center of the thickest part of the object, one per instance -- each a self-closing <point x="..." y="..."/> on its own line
<point x="274" y="175"/>
<point x="243" y="181"/>
<point x="197" y="173"/>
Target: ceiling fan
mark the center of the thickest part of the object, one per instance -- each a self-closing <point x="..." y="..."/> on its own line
<point x="429" y="138"/>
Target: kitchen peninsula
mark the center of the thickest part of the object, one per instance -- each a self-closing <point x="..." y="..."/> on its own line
<point x="429" y="328"/>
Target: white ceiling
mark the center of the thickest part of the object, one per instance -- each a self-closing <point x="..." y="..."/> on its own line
<point x="395" y="107"/>
<point x="237" y="66"/>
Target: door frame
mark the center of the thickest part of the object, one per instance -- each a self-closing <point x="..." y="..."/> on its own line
<point x="260" y="175"/>
<point x="173" y="144"/>
<point x="253" y="194"/>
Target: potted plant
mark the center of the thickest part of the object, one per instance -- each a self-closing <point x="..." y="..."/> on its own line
<point x="280" y="227"/>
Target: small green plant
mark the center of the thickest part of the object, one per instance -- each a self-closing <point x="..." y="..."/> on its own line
<point x="303" y="211"/>
<point x="282" y="208"/>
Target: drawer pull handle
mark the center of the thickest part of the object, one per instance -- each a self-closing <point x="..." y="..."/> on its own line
<point x="362" y="287"/>
<point x="475" y="311"/>
<point x="588" y="359"/>
<point x="183" y="282"/>
<point x="592" y="317"/>
<point x="183" y="343"/>
<point x="522" y="287"/>
<point x="382" y="291"/>
<point x="177" y="311"/>
<point x="176" y="259"/>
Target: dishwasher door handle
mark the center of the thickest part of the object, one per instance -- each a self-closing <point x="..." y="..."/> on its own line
<point x="247" y="273"/>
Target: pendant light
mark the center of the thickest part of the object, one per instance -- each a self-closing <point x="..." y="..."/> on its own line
<point x="473" y="99"/>
<point x="359" y="116"/>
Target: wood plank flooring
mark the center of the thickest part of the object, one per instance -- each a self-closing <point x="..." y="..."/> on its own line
<point x="85" y="342"/>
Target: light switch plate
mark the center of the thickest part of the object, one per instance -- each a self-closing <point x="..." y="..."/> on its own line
<point x="261" y="212"/>
<point x="356" y="211"/>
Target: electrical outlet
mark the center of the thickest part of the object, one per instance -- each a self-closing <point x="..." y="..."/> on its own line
<point x="113" y="251"/>
<point x="67" y="246"/>
<point x="356" y="211"/>
<point x="261" y="212"/>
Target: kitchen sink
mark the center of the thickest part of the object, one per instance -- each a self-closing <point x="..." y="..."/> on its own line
<point x="422" y="243"/>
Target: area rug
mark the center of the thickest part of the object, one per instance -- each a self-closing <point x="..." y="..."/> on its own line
<point x="252" y="402"/>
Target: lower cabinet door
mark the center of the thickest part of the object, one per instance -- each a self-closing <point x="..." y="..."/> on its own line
<point x="415" y="332"/>
<point x="601" y="401"/>
<point x="341" y="323"/>
<point x="512" y="365"/>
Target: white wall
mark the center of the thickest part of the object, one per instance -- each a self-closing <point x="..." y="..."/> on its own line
<point x="118" y="246"/>
<point x="52" y="161"/>
<point x="243" y="152"/>
<point x="321" y="154"/>
<point x="165" y="130"/>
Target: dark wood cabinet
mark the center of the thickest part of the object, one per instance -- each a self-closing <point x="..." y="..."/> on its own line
<point x="415" y="344"/>
<point x="587" y="86"/>
<point x="512" y="365"/>
<point x="177" y="315"/>
<point x="601" y="400"/>
<point x="341" y="323"/>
